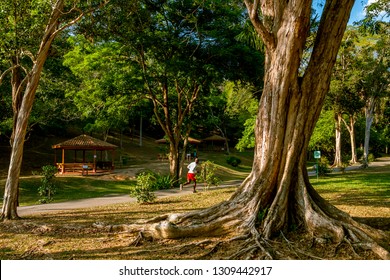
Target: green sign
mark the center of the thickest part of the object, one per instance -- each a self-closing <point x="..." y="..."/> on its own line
<point x="317" y="154"/>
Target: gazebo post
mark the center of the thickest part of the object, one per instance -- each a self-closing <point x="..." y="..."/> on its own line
<point x="63" y="161"/>
<point x="94" y="161"/>
<point x="112" y="159"/>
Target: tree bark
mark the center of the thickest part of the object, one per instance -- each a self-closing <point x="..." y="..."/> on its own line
<point x="351" y="129"/>
<point x="338" y="161"/>
<point x="369" y="112"/>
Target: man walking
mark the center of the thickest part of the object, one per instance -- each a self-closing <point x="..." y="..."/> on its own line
<point x="191" y="175"/>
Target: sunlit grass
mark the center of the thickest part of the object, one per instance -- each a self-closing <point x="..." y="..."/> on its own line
<point x="70" y="188"/>
<point x="363" y="192"/>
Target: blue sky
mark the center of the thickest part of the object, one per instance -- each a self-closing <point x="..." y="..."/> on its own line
<point x="357" y="12"/>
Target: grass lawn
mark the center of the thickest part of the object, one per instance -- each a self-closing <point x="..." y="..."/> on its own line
<point x="70" y="188"/>
<point x="361" y="193"/>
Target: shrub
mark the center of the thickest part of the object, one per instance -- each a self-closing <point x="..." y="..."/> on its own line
<point x="323" y="167"/>
<point x="163" y="182"/>
<point x="143" y="190"/>
<point x="47" y="189"/>
<point x="371" y="157"/>
<point x="233" y="161"/>
<point x="207" y="174"/>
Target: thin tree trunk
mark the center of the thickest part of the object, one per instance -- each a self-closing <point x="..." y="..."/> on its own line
<point x="369" y="112"/>
<point x="353" y="140"/>
<point x="9" y="210"/>
<point x="351" y="129"/>
<point x="337" y="158"/>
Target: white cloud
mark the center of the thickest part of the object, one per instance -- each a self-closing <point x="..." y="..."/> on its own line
<point x="371" y="1"/>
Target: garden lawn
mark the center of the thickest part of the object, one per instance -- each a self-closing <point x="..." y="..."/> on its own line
<point x="364" y="194"/>
<point x="70" y="188"/>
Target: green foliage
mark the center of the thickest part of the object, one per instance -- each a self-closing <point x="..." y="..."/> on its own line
<point x="371" y="157"/>
<point x="323" y="167"/>
<point x="143" y="190"/>
<point x="248" y="136"/>
<point x="162" y="182"/>
<point x="323" y="134"/>
<point x="233" y="161"/>
<point x="47" y="189"/>
<point x="207" y="174"/>
<point x="106" y="79"/>
<point x="147" y="182"/>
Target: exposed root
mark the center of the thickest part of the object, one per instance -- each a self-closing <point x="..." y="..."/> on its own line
<point x="350" y="244"/>
<point x="289" y="244"/>
<point x="137" y="241"/>
<point x="209" y="252"/>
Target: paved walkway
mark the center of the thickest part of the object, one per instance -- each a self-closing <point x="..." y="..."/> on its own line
<point x="108" y="200"/>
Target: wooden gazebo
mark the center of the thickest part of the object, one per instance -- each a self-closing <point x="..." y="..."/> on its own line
<point x="218" y="143"/>
<point x="92" y="155"/>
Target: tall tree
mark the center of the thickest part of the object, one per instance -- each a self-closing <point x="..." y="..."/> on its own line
<point x="344" y="94"/>
<point x="27" y="58"/>
<point x="182" y="49"/>
<point x="278" y="186"/>
<point x="374" y="83"/>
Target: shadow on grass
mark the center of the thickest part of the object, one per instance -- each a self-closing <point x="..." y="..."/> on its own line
<point x="369" y="189"/>
<point x="375" y="222"/>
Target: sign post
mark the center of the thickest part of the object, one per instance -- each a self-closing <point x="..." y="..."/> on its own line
<point x="317" y="156"/>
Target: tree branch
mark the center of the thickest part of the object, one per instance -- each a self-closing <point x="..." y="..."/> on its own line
<point x="2" y="76"/>
<point x="253" y="11"/>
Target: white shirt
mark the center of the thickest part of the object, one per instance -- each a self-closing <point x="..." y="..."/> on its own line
<point x="192" y="167"/>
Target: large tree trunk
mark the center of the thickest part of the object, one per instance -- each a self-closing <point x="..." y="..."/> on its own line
<point x="277" y="193"/>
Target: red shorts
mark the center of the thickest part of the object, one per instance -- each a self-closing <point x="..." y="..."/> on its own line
<point x="191" y="177"/>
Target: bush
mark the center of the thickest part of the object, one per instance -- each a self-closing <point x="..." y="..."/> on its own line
<point x="47" y="189"/>
<point x="157" y="180"/>
<point x="207" y="174"/>
<point x="371" y="157"/>
<point x="143" y="190"/>
<point x="163" y="182"/>
<point x="233" y="161"/>
<point x="323" y="167"/>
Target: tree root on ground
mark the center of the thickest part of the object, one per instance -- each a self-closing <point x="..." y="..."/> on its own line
<point x="239" y="219"/>
<point x="254" y="244"/>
